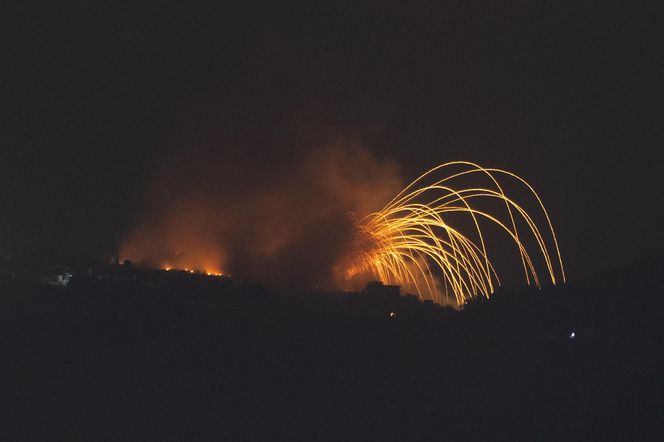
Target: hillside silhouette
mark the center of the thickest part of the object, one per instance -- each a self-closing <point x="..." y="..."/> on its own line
<point x="237" y="360"/>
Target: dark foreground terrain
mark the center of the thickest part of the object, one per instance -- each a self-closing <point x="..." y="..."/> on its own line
<point x="118" y="362"/>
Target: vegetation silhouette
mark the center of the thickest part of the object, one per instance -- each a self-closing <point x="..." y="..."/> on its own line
<point x="117" y="360"/>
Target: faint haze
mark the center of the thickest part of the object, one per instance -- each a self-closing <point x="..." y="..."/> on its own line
<point x="121" y="117"/>
<point x="285" y="223"/>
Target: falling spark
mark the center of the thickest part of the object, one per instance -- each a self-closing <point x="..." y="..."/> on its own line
<point x="412" y="242"/>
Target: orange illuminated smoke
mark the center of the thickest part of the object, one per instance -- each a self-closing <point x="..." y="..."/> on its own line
<point x="416" y="240"/>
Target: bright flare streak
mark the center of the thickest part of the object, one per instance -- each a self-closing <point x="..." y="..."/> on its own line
<point x="410" y="243"/>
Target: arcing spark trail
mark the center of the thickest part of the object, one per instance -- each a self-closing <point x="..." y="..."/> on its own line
<point x="412" y="241"/>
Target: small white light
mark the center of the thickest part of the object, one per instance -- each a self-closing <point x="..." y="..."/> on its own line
<point x="392" y="314"/>
<point x="572" y="335"/>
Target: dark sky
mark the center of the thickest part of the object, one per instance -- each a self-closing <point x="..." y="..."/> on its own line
<point x="96" y="94"/>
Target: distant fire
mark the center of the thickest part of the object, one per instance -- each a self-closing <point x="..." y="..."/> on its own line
<point x="181" y="243"/>
<point x="169" y="268"/>
<point x="289" y="226"/>
<point x="282" y="224"/>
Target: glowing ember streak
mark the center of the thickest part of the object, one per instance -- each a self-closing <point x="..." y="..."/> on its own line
<point x="410" y="242"/>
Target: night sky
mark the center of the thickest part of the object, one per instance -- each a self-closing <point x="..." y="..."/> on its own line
<point x="100" y="98"/>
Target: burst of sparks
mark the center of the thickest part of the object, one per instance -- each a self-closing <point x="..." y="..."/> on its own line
<point x="410" y="242"/>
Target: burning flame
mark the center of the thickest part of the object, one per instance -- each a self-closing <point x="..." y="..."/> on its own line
<point x="209" y="272"/>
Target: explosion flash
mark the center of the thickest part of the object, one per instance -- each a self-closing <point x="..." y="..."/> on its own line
<point x="412" y="241"/>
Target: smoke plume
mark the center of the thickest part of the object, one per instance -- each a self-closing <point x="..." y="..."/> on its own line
<point x="283" y="222"/>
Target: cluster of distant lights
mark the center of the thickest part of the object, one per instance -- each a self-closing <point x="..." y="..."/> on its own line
<point x="192" y="271"/>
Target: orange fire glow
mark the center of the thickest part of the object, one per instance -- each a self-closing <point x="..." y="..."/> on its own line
<point x="207" y="272"/>
<point x="286" y="228"/>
